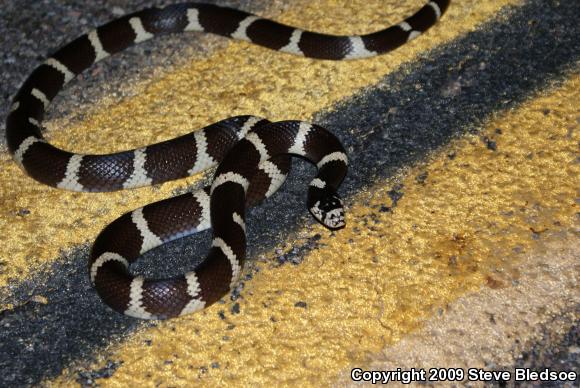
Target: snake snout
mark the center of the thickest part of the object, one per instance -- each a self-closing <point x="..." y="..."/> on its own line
<point x="329" y="211"/>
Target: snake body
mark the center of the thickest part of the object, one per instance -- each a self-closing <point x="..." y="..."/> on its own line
<point x="254" y="155"/>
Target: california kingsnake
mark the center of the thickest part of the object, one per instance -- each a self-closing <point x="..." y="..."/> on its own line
<point x="253" y="154"/>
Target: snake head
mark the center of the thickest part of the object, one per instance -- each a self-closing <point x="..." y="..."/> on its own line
<point x="329" y="211"/>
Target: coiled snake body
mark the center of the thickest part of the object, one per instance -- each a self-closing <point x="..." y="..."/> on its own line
<point x="254" y="155"/>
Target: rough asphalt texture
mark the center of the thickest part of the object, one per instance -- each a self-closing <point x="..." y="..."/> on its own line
<point x="502" y="64"/>
<point x="554" y="354"/>
<point x="31" y="30"/>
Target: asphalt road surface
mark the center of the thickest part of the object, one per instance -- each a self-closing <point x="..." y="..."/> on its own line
<point x="53" y="327"/>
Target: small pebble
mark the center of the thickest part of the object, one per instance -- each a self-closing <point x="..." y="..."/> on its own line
<point x="300" y="304"/>
<point x="395" y="194"/>
<point x="23" y="212"/>
<point x="490" y="144"/>
<point x="117" y="11"/>
<point x="421" y="178"/>
<point x="39" y="299"/>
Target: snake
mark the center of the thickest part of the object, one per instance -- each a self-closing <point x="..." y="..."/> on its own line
<point x="252" y="155"/>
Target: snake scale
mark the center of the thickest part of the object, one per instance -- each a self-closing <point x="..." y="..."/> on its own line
<point x="253" y="155"/>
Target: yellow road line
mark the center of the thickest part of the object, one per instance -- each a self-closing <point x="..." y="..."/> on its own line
<point x="468" y="225"/>
<point x="241" y="79"/>
<point x="496" y="324"/>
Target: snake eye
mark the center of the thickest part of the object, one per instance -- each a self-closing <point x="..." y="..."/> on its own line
<point x="329" y="212"/>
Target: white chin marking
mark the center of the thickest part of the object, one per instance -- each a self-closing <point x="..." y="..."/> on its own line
<point x="334" y="218"/>
<point x="316" y="212"/>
